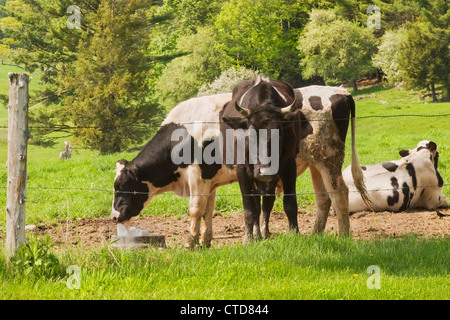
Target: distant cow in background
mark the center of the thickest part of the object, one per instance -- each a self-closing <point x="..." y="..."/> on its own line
<point x="411" y="182"/>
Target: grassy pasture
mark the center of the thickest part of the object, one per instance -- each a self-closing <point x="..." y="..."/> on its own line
<point x="287" y="267"/>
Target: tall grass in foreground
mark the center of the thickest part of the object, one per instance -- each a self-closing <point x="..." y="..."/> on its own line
<point x="287" y="267"/>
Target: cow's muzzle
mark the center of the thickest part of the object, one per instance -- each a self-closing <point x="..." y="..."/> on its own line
<point x="264" y="174"/>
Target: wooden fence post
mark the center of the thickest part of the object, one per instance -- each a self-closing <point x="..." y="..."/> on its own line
<point x="17" y="162"/>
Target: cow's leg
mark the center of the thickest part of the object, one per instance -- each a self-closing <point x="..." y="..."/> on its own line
<point x="199" y="193"/>
<point x="252" y="211"/>
<point x="338" y="192"/>
<point x="267" y="206"/>
<point x="288" y="178"/>
<point x="197" y="205"/>
<point x="257" y="214"/>
<point x="323" y="201"/>
<point x="339" y="201"/>
<point x="207" y="216"/>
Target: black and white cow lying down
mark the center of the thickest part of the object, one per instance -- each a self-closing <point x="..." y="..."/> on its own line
<point x="326" y="112"/>
<point x="411" y="182"/>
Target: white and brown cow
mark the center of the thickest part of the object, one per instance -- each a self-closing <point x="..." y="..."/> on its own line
<point x="326" y="112"/>
<point x="413" y="181"/>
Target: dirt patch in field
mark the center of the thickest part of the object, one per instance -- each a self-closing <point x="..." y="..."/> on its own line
<point x="228" y="230"/>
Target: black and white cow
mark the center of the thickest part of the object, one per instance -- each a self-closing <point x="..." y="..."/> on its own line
<point x="265" y="108"/>
<point x="411" y="182"/>
<point x="154" y="172"/>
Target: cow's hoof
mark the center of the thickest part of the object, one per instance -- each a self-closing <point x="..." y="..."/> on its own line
<point x="247" y="239"/>
<point x="191" y="243"/>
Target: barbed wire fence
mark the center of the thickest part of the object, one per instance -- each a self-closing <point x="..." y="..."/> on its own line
<point x="111" y="191"/>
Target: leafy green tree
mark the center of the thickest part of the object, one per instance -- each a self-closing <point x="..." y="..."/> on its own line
<point x="336" y="49"/>
<point x="424" y="57"/>
<point x="387" y="57"/>
<point x="227" y="80"/>
<point x="261" y="35"/>
<point x="193" y="14"/>
<point x="183" y="76"/>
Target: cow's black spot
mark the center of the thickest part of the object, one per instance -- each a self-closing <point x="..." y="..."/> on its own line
<point x="412" y="173"/>
<point x="298" y="99"/>
<point x="404" y="153"/>
<point x="316" y="103"/>
<point x="340" y="108"/>
<point x="396" y="196"/>
<point x="423" y="191"/>
<point x="364" y="168"/>
<point x="305" y="126"/>
<point x="209" y="170"/>
<point x="154" y="161"/>
<point x="440" y="180"/>
<point x="390" y="166"/>
<point x="406" y="197"/>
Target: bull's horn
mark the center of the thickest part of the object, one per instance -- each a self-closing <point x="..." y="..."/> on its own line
<point x="243" y="111"/>
<point x="288" y="109"/>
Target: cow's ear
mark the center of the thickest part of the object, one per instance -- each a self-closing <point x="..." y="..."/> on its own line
<point x="432" y="146"/>
<point x="236" y="122"/>
<point x="293" y="116"/>
<point x="133" y="172"/>
<point x="121" y="164"/>
<point x="404" y="153"/>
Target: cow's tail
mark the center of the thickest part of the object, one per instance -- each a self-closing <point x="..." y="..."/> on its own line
<point x="357" y="174"/>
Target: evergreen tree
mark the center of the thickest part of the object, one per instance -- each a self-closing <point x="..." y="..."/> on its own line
<point x="109" y="100"/>
<point x="96" y="77"/>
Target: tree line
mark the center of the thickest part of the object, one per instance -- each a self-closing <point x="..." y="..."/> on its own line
<point x="112" y="77"/>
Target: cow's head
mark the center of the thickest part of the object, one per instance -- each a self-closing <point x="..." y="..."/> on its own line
<point x="261" y="113"/>
<point x="430" y="146"/>
<point x="130" y="193"/>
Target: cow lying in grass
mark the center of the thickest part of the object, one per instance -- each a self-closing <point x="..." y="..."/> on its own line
<point x="411" y="182"/>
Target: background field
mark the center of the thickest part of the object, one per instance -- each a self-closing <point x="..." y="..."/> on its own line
<point x="286" y="267"/>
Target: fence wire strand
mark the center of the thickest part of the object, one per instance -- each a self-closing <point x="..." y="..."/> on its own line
<point x="149" y="126"/>
<point x="220" y="195"/>
<point x="67" y="127"/>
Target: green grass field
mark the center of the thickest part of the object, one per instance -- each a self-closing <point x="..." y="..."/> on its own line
<point x="287" y="267"/>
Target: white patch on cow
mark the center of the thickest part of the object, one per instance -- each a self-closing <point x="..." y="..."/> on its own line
<point x="119" y="168"/>
<point x="281" y="95"/>
<point x="114" y="213"/>
<point x="316" y="147"/>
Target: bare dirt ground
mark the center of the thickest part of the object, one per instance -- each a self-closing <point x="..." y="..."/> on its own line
<point x="228" y="230"/>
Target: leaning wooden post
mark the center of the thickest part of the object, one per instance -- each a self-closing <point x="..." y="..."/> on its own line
<point x="17" y="162"/>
